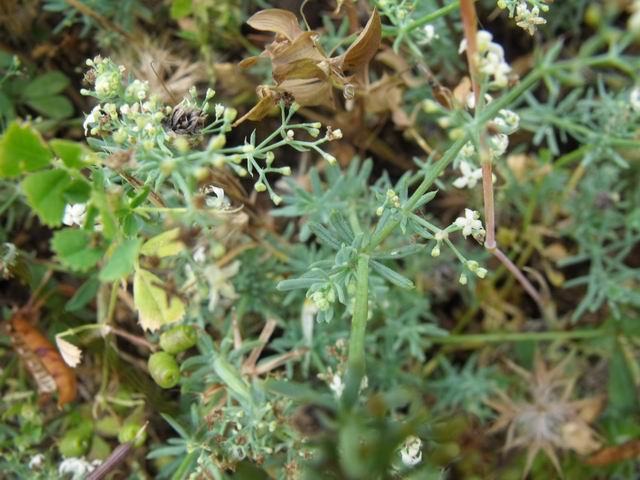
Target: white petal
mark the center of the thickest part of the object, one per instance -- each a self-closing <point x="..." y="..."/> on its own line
<point x="71" y="354"/>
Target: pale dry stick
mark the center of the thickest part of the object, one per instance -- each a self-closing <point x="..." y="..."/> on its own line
<point x="279" y="361"/>
<point x="470" y="22"/>
<point x="249" y="365"/>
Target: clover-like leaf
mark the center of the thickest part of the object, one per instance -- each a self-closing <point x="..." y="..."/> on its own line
<point x="22" y="150"/>
<point x="76" y="248"/>
<point x="45" y="194"/>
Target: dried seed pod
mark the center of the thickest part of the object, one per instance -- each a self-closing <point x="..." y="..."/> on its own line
<point x="186" y="120"/>
<point x="164" y="369"/>
<point x="42" y="359"/>
<point x="178" y="339"/>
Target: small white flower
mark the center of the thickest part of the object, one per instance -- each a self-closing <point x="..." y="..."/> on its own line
<point x="220" y="284"/>
<point x="508" y="121"/>
<point x="411" y="452"/>
<point x="36" y="461"/>
<point x="470" y="223"/>
<point x="217" y="202"/>
<point x="499" y="144"/>
<point x="199" y="254"/>
<point x="91" y="119"/>
<point x="74" y="214"/>
<point x="78" y="468"/>
<point x="468" y="150"/>
<point x="337" y="385"/>
<point x="634" y="99"/>
<point x="470" y="176"/>
<point x="71" y="354"/>
<point x="219" y="110"/>
<point x="429" y="35"/>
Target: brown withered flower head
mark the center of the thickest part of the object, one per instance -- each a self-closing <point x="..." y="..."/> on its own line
<point x="548" y="419"/>
<point x="186" y="119"/>
<point x="301" y="68"/>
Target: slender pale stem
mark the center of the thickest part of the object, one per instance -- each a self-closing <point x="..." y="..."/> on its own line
<point x="501" y="337"/>
<point x="356" y="361"/>
<point x="526" y="284"/>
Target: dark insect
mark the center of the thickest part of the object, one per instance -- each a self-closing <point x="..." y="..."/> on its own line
<point x="186" y="120"/>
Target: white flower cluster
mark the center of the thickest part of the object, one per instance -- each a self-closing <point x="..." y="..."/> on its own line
<point x="528" y="19"/>
<point x="490" y="59"/>
<point x="323" y="298"/>
<point x="78" y="468"/>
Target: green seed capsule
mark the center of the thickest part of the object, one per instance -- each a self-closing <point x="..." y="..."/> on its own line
<point x="178" y="339"/>
<point x="164" y="369"/>
<point x="75" y="442"/>
<point x="129" y="432"/>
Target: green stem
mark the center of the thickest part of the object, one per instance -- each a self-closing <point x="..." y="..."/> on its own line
<point x="522" y="337"/>
<point x="419" y="22"/>
<point x="356" y="361"/>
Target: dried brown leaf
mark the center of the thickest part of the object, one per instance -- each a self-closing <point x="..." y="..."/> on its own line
<point x="365" y="46"/>
<point x="259" y="110"/>
<point x="278" y="21"/>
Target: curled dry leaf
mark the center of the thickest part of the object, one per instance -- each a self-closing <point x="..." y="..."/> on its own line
<point x="365" y="46"/>
<point x="42" y="359"/>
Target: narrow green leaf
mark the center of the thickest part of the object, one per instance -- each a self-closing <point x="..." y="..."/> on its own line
<point x="22" y="150"/>
<point x="122" y="261"/>
<point x="75" y="248"/>
<point x="45" y="194"/>
<point x="391" y="275"/>
<point x="87" y="292"/>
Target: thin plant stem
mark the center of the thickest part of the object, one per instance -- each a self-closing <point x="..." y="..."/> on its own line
<point x="526" y="284"/>
<point x="356" y="360"/>
<point x="505" y="337"/>
<point x="489" y="208"/>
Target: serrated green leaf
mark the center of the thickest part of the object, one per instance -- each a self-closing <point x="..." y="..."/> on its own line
<point x="46" y="85"/>
<point x="53" y="107"/>
<point x="45" y="194"/>
<point x="163" y="245"/>
<point x="74" y="248"/>
<point x="122" y="261"/>
<point x="22" y="150"/>
<point x="391" y="275"/>
<point x="155" y="309"/>
<point x="73" y="154"/>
